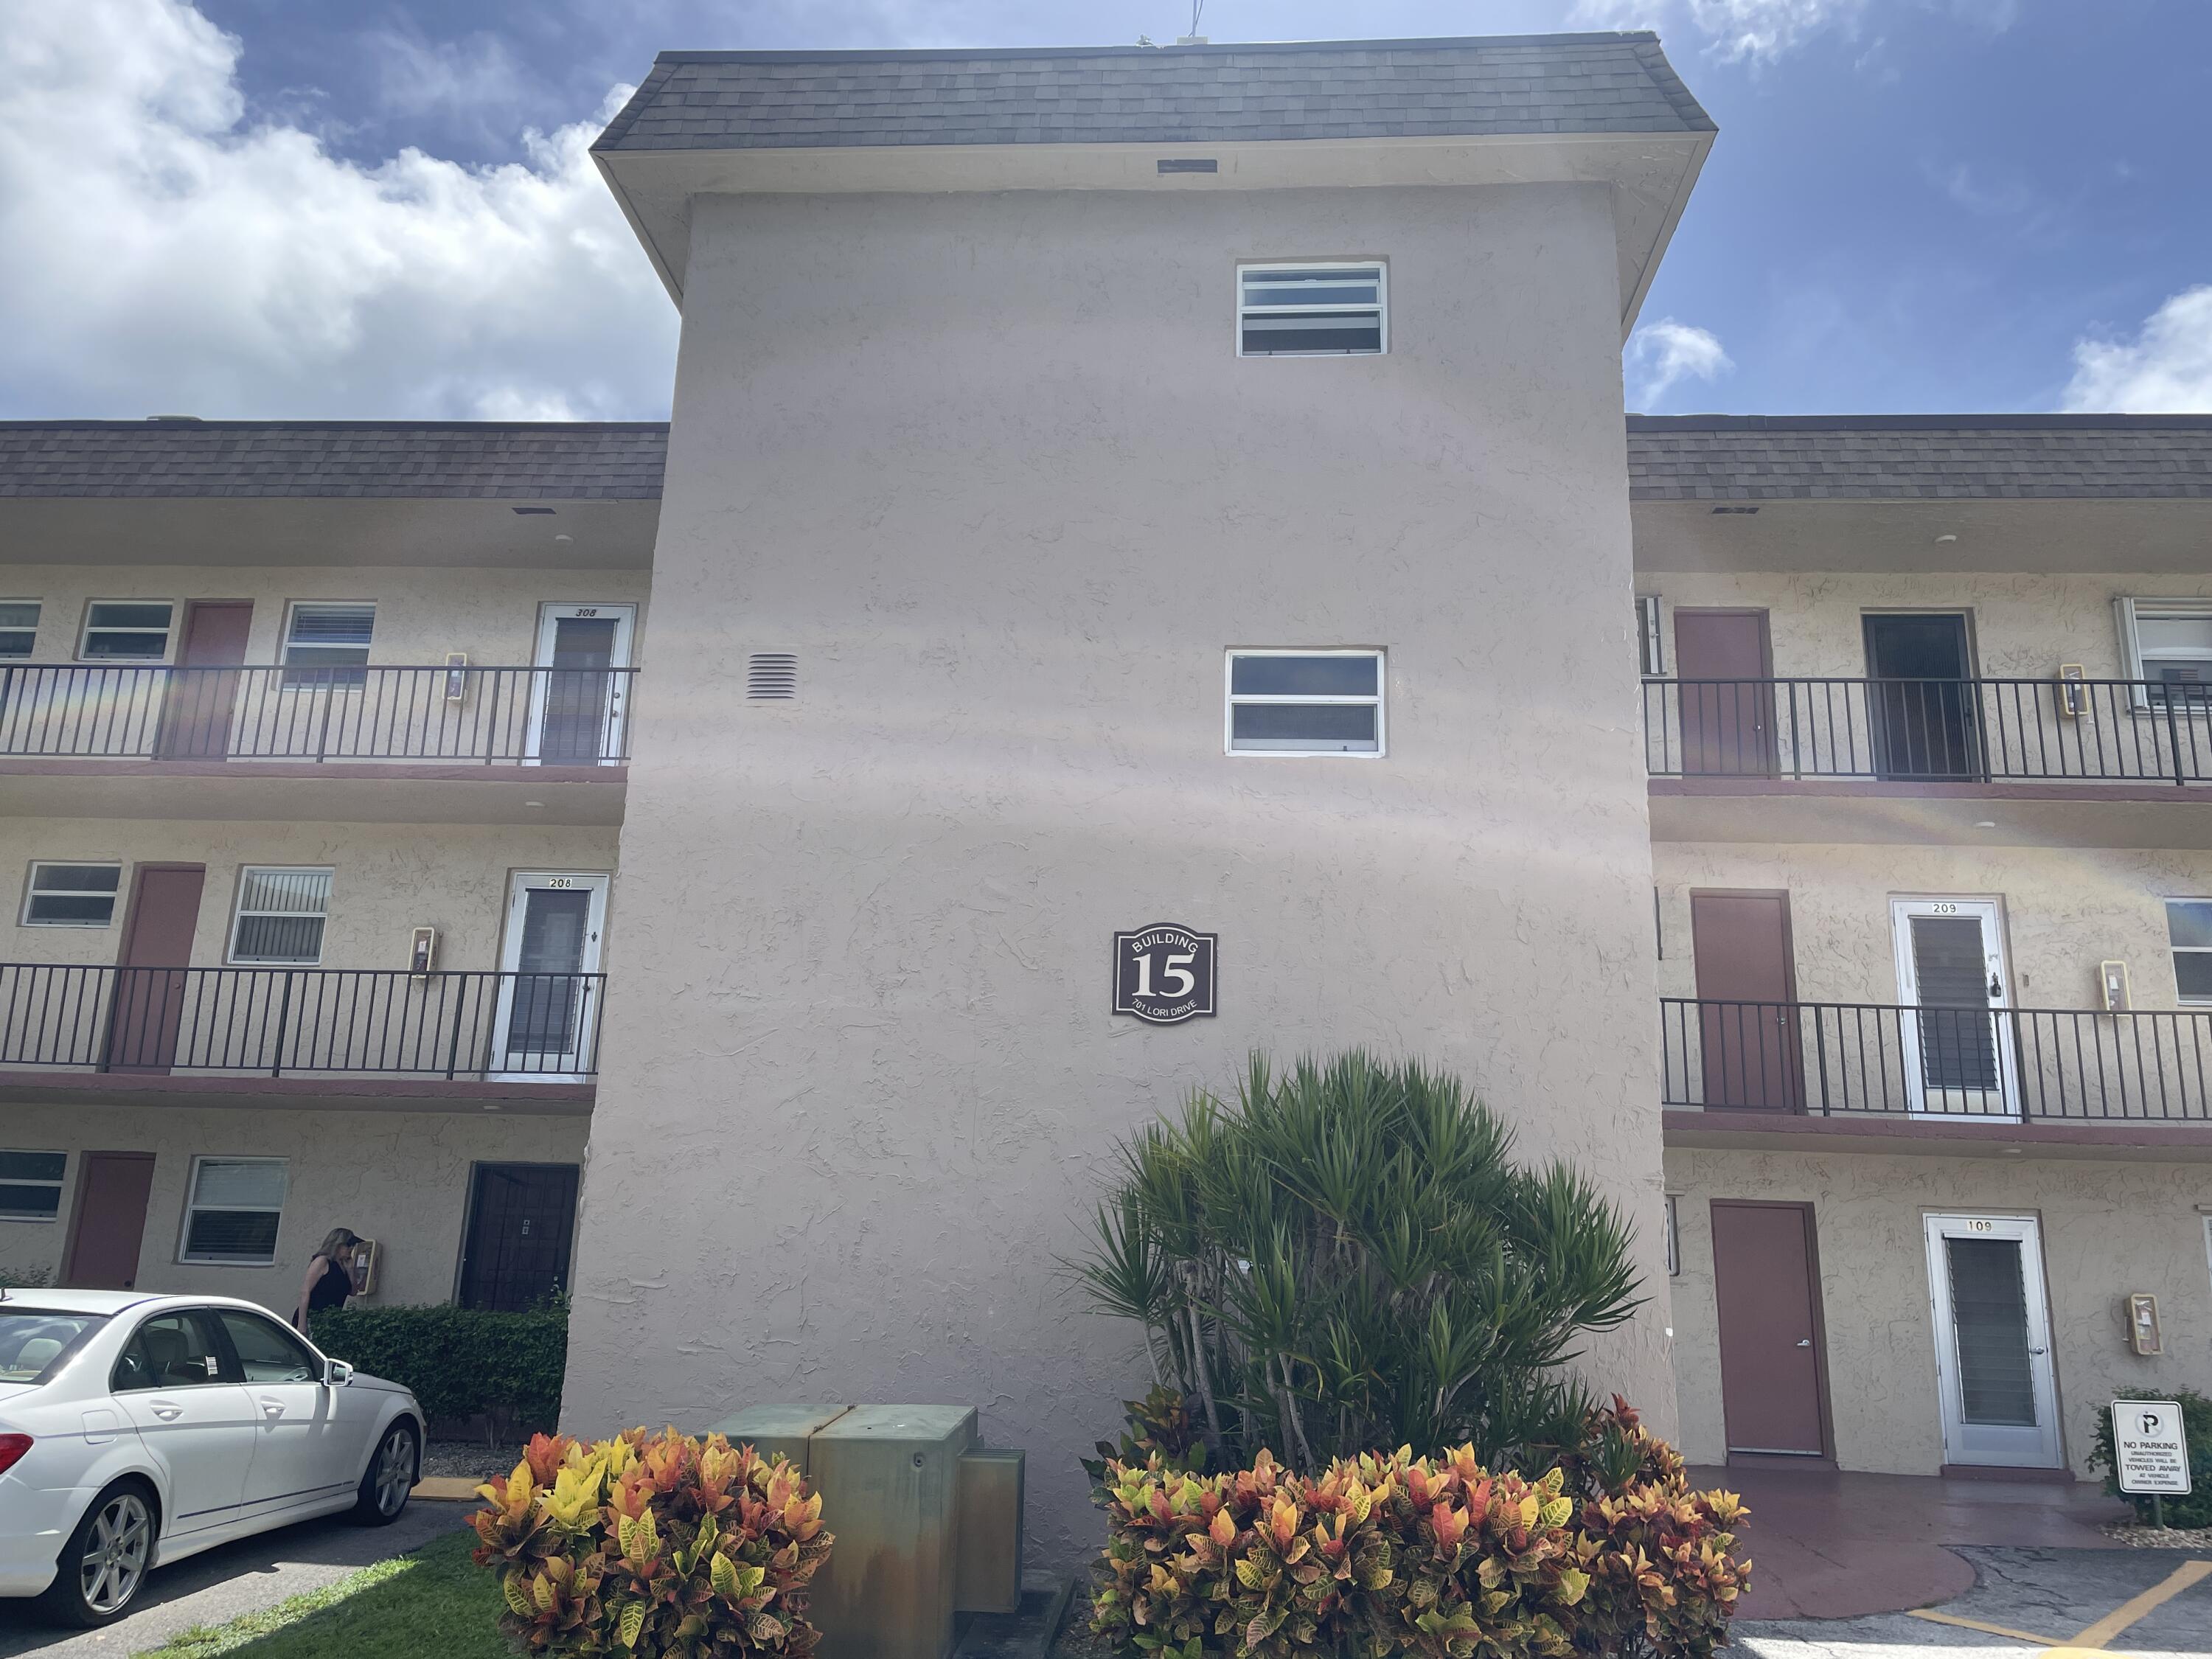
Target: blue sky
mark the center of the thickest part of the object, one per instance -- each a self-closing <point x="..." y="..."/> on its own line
<point x="382" y="208"/>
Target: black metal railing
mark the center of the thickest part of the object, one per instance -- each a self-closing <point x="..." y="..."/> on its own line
<point x="488" y="716"/>
<point x="282" y="1022"/>
<point x="1834" y="1059"/>
<point x="1929" y="731"/>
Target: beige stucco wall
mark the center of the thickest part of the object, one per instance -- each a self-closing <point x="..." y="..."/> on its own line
<point x="2066" y="910"/>
<point x="2022" y="626"/>
<point x="989" y="466"/>
<point x="2108" y="1228"/>
<point x="386" y="880"/>
<point x="422" y="614"/>
<point x="399" y="1177"/>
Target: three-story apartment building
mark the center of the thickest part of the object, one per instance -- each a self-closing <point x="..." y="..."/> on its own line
<point x="1143" y="574"/>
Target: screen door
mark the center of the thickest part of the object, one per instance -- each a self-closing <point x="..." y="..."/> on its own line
<point x="549" y="998"/>
<point x="578" y="701"/>
<point x="1955" y="1035"/>
<point x="1993" y="1341"/>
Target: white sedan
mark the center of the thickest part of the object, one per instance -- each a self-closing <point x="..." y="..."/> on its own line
<point x="138" y="1430"/>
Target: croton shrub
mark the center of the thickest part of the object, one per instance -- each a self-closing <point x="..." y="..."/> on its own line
<point x="662" y="1545"/>
<point x="1386" y="1555"/>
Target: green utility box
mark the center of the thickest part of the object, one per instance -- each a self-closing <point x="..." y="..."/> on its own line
<point x="929" y="1523"/>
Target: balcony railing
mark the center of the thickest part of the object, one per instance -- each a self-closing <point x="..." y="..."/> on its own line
<point x="1849" y="1059"/>
<point x="488" y="716"/>
<point x="296" y="1022"/>
<point x="1929" y="731"/>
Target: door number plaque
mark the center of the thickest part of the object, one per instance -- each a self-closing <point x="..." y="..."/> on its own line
<point x="1164" y="974"/>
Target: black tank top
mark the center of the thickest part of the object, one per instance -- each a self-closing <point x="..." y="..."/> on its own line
<point x="331" y="1290"/>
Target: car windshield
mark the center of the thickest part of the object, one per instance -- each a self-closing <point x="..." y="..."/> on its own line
<point x="34" y="1341"/>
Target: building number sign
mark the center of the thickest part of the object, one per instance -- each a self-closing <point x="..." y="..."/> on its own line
<point x="1164" y="974"/>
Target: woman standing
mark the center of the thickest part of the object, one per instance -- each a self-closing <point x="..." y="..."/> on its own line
<point x="329" y="1276"/>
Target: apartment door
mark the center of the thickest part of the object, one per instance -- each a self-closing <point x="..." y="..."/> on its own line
<point x="578" y="703"/>
<point x="107" y="1223"/>
<point x="151" y="987"/>
<point x="1748" y="1026"/>
<point x="1724" y="671"/>
<point x="1956" y="1037"/>
<point x="1922" y="710"/>
<point x="2000" y="1391"/>
<point x="1773" y="1378"/>
<point x="549" y="1004"/>
<point x="202" y="691"/>
<point x="522" y="1219"/>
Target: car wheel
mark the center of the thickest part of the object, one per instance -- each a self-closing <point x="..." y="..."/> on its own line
<point x="390" y="1478"/>
<point x="101" y="1567"/>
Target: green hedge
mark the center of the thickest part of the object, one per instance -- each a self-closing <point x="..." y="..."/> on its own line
<point x="460" y="1362"/>
<point x="2194" y="1510"/>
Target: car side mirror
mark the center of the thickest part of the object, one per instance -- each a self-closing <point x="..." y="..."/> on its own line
<point x="337" y="1373"/>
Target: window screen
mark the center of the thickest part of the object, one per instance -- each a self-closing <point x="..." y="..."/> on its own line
<point x="1322" y="703"/>
<point x="2189" y="931"/>
<point x="1310" y="311"/>
<point x="72" y="895"/>
<point x="280" y="916"/>
<point x="233" y="1213"/>
<point x="126" y="630"/>
<point x="328" y="644"/>
<point x="31" y="1185"/>
<point x="2172" y="642"/>
<point x="19" y="628"/>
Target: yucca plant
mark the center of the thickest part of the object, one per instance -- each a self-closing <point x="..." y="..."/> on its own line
<point x="1348" y="1258"/>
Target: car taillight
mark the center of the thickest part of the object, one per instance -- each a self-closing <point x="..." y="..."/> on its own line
<point x="12" y="1448"/>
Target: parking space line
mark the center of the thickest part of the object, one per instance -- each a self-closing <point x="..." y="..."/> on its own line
<point x="1986" y="1629"/>
<point x="2137" y="1607"/>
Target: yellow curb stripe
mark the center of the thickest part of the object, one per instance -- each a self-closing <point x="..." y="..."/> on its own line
<point x="1976" y="1624"/>
<point x="446" y="1489"/>
<point x="2135" y="1607"/>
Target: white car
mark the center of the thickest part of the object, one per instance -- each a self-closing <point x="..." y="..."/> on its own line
<point x="138" y="1430"/>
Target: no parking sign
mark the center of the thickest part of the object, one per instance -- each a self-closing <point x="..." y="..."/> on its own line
<point x="2149" y="1456"/>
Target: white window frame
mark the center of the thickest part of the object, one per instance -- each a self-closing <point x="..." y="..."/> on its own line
<point x="86" y="631"/>
<point x="193" y="1207"/>
<point x="321" y="676"/>
<point x="31" y="890"/>
<point x="1230" y="700"/>
<point x="2173" y="951"/>
<point x="1382" y="269"/>
<point x="38" y="618"/>
<point x="1651" y="644"/>
<point x="239" y="913"/>
<point x="2132" y="610"/>
<point x="60" y="1183"/>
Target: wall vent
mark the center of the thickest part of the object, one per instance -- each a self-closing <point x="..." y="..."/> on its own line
<point x="771" y="676"/>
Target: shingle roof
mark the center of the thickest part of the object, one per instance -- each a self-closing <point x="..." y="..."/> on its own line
<point x="1763" y="457"/>
<point x="420" y="459"/>
<point x="1546" y="83"/>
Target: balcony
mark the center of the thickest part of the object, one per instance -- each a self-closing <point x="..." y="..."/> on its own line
<point x="292" y="742"/>
<point x="2053" y="1074"/>
<point x="288" y="1034"/>
<point x="2112" y="761"/>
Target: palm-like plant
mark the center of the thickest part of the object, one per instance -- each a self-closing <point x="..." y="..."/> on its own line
<point x="1348" y="1258"/>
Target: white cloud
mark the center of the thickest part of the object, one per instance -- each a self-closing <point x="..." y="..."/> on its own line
<point x="1757" y="32"/>
<point x="1662" y="353"/>
<point x="158" y="253"/>
<point x="2166" y="369"/>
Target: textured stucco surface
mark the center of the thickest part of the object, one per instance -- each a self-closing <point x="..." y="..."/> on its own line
<point x="399" y="1177"/>
<point x="386" y="880"/>
<point x="2065" y="909"/>
<point x="2108" y="1228"/>
<point x="861" y="1082"/>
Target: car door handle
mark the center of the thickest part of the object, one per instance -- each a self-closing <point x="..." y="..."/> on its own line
<point x="271" y="1408"/>
<point x="165" y="1410"/>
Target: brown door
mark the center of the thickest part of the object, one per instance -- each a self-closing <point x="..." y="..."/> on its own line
<point x="1748" y="1022"/>
<point x="1771" y="1368"/>
<point x="1723" y="673"/>
<point x="150" y="991"/>
<point x="202" y="689"/>
<point x="109" y="1221"/>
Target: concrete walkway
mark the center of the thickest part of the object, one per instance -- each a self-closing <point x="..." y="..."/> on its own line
<point x="245" y="1576"/>
<point x="1828" y="1546"/>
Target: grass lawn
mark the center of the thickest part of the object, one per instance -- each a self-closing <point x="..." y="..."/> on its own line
<point x="435" y="1602"/>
